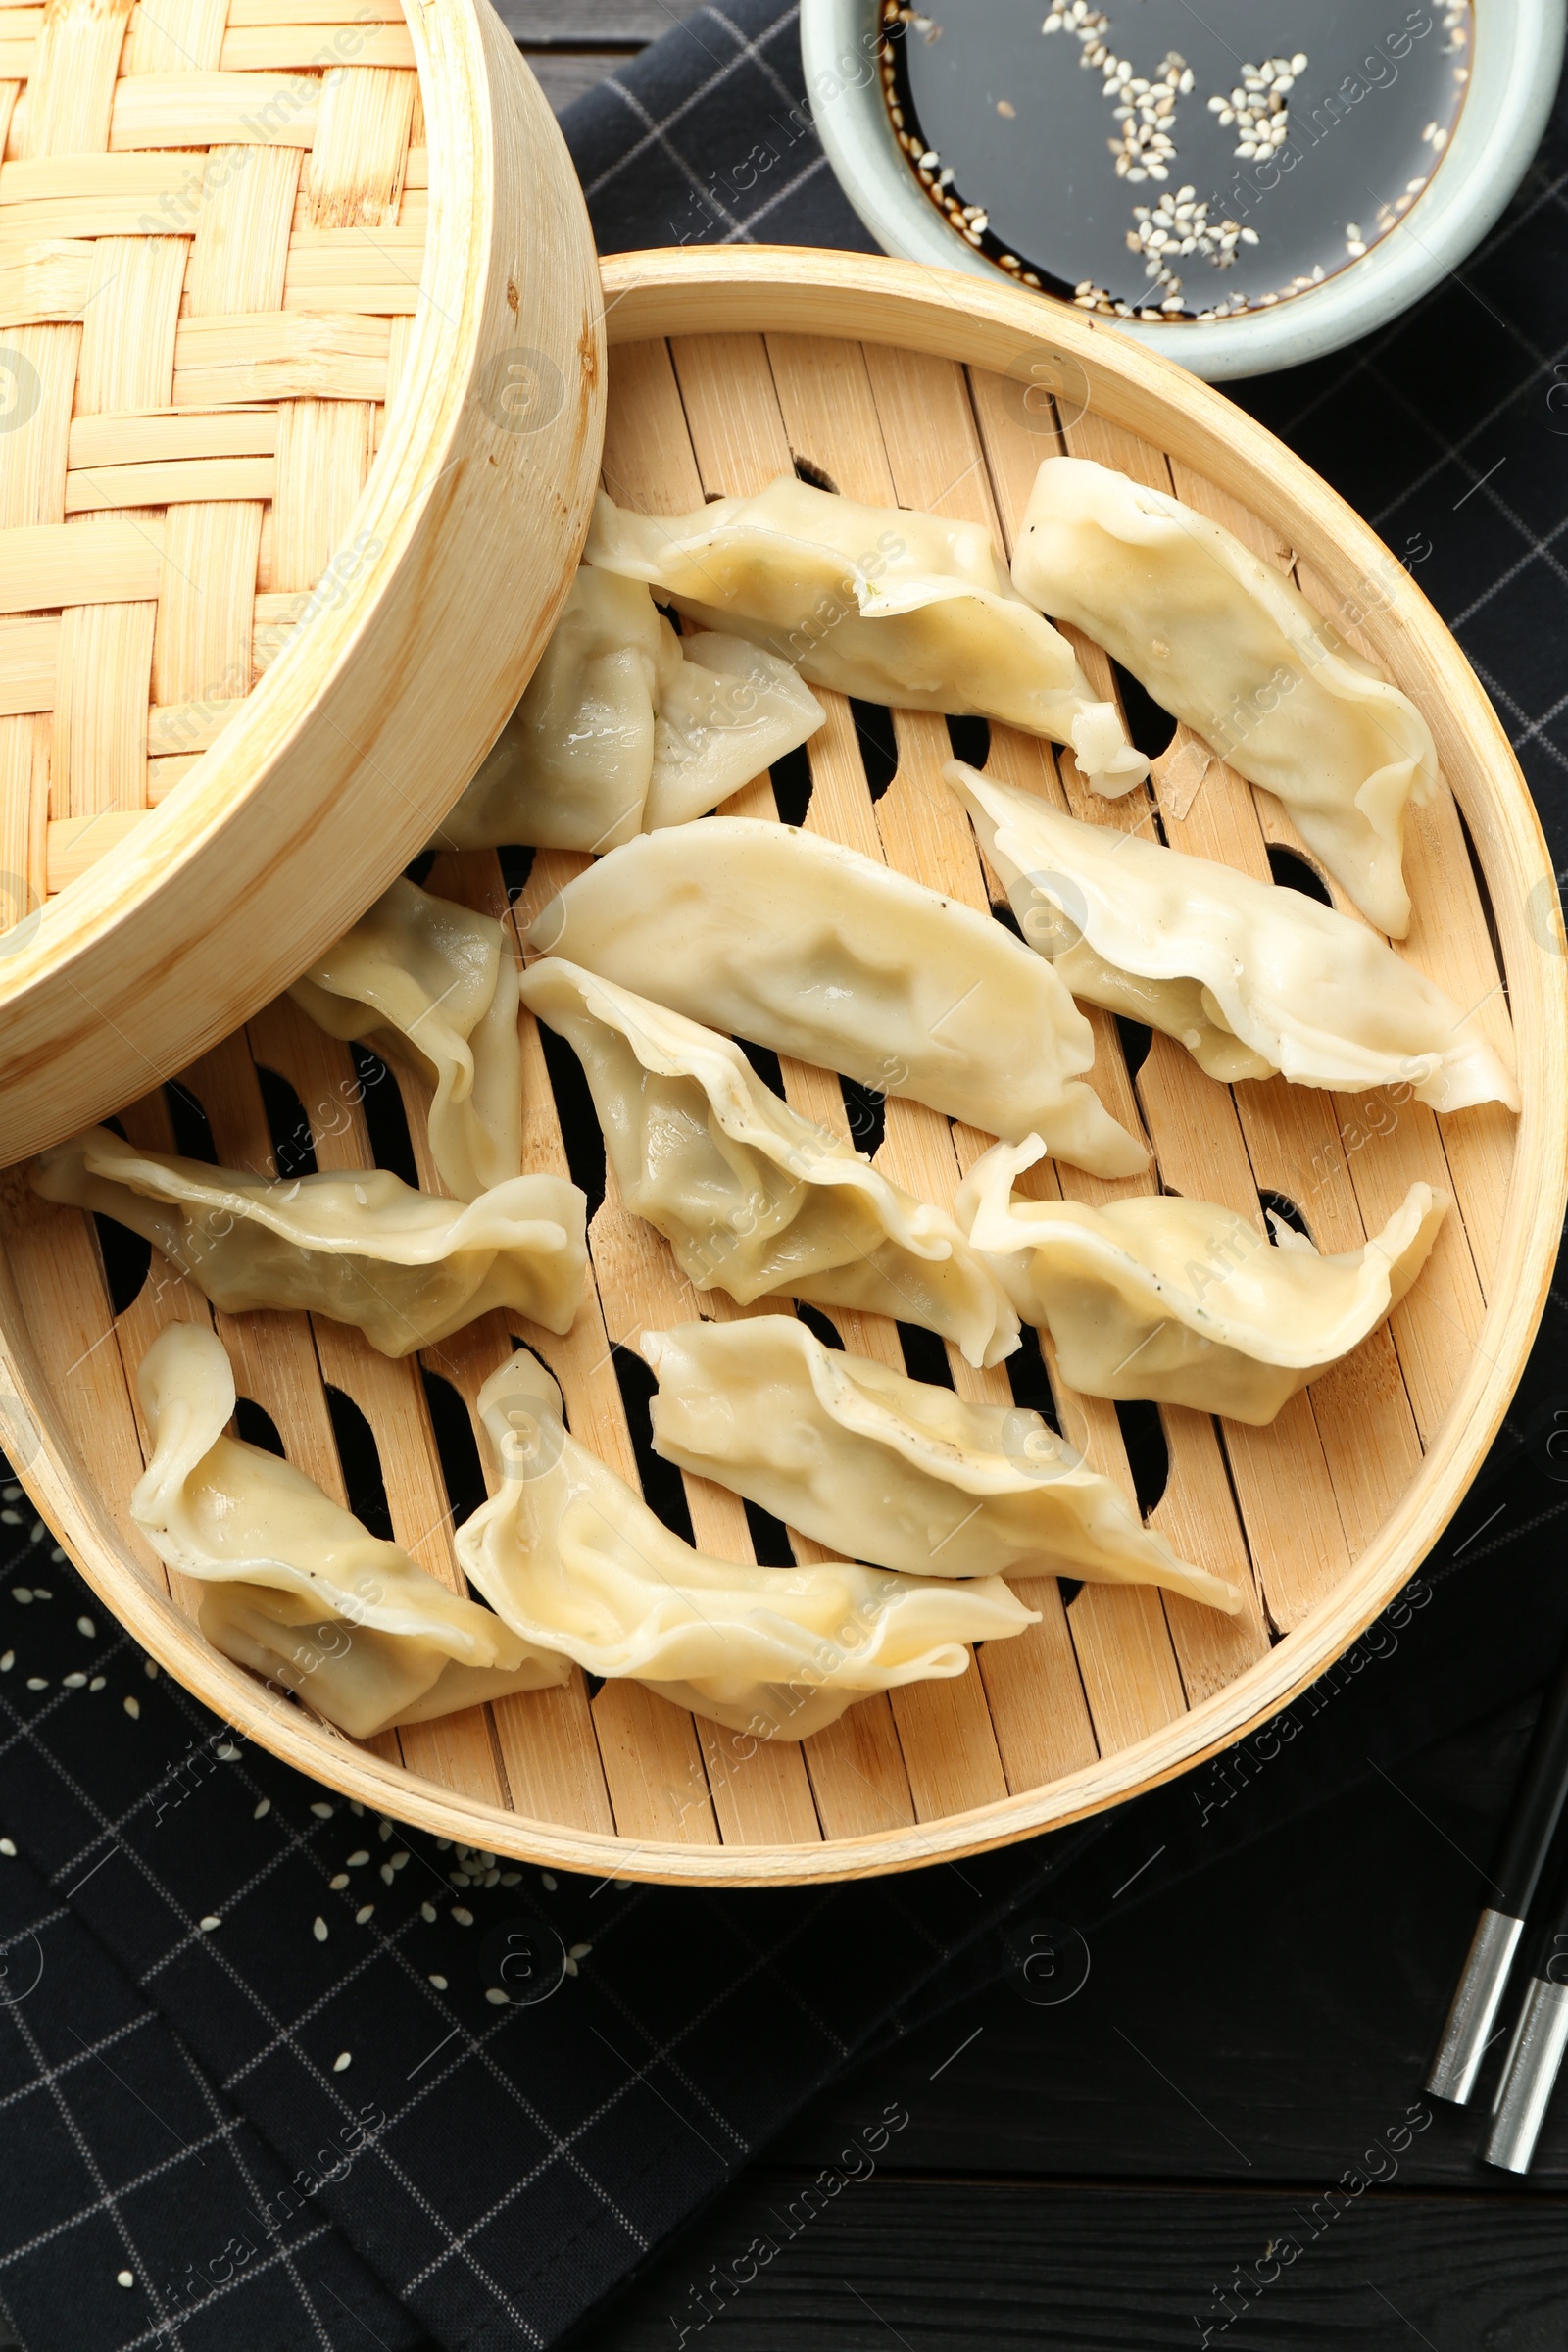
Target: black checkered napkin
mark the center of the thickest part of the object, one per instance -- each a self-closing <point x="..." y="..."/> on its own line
<point x="707" y="138"/>
<point x="268" y="2029"/>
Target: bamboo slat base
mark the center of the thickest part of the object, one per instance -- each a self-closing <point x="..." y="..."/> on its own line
<point x="899" y="386"/>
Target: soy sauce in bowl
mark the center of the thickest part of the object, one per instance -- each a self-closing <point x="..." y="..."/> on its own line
<point x="1154" y="160"/>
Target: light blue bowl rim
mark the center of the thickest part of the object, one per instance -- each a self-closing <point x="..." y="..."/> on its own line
<point x="1516" y="60"/>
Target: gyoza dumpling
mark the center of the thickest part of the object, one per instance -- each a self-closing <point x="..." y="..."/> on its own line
<point x="749" y="1195"/>
<point x="894" y="607"/>
<point x="809" y="948"/>
<point x="895" y="1471"/>
<point x="439" y="981"/>
<point x="625" y="726"/>
<point x="727" y="713"/>
<point x="1222" y="640"/>
<point x="569" y="769"/>
<point x="573" y="1560"/>
<point x="1185" y="1302"/>
<point x="405" y="1267"/>
<point x="1249" y="978"/>
<point x="298" y="1588"/>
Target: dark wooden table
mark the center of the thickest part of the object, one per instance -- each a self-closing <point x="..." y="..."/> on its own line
<point x="1118" y="2173"/>
<point x="1153" y="2159"/>
<point x="571" y="43"/>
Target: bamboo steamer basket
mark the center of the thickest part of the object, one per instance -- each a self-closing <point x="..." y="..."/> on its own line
<point x="900" y="384"/>
<point x="299" y="345"/>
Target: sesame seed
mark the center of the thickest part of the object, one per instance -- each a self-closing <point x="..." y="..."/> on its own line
<point x="85" y="1625"/>
<point x="263" y="1809"/>
<point x="400" y="1857"/>
<point x="149" y="1667"/>
<point x="340" y="1880"/>
<point x="439" y="1983"/>
<point x="210" y="1922"/>
<point x="342" y="2062"/>
<point x="464" y="1919"/>
<point x="132" y="1707"/>
<point x="363" y="1914"/>
<point x="97" y="1682"/>
<point x="229" y="1753"/>
<point x="545" y="1880"/>
<point x="386" y="1872"/>
<point x="22" y="1593"/>
<point x="385" y="1830"/>
<point x="492" y="1993"/>
<point x="319" y="1927"/>
<point x="37" y="1682"/>
<point x="580" y="1951"/>
<point x="427" y="1911"/>
<point x="511" y="1878"/>
<point x="322" y="1812"/>
<point x="75" y="1682"/>
<point x="8" y="1661"/>
<point x="125" y="2279"/>
<point x="8" y="1847"/>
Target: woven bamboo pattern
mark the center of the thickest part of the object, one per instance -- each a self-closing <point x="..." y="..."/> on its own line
<point x="211" y="233"/>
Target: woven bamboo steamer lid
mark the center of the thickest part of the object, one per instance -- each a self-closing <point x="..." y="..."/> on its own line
<point x="301" y="402"/>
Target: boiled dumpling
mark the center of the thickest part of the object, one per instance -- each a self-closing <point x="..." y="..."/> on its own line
<point x="894" y="607"/>
<point x="1249" y="978"/>
<point x="801" y="944"/>
<point x="405" y="1267"/>
<point x="749" y="1195"/>
<point x="727" y="713"/>
<point x="894" y="1470"/>
<point x="1222" y="640"/>
<point x="573" y="1560"/>
<point x="439" y="981"/>
<point x="1185" y="1302"/>
<point x="297" y="1588"/>
<point x="569" y="769"/>
<point x="625" y="727"/>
